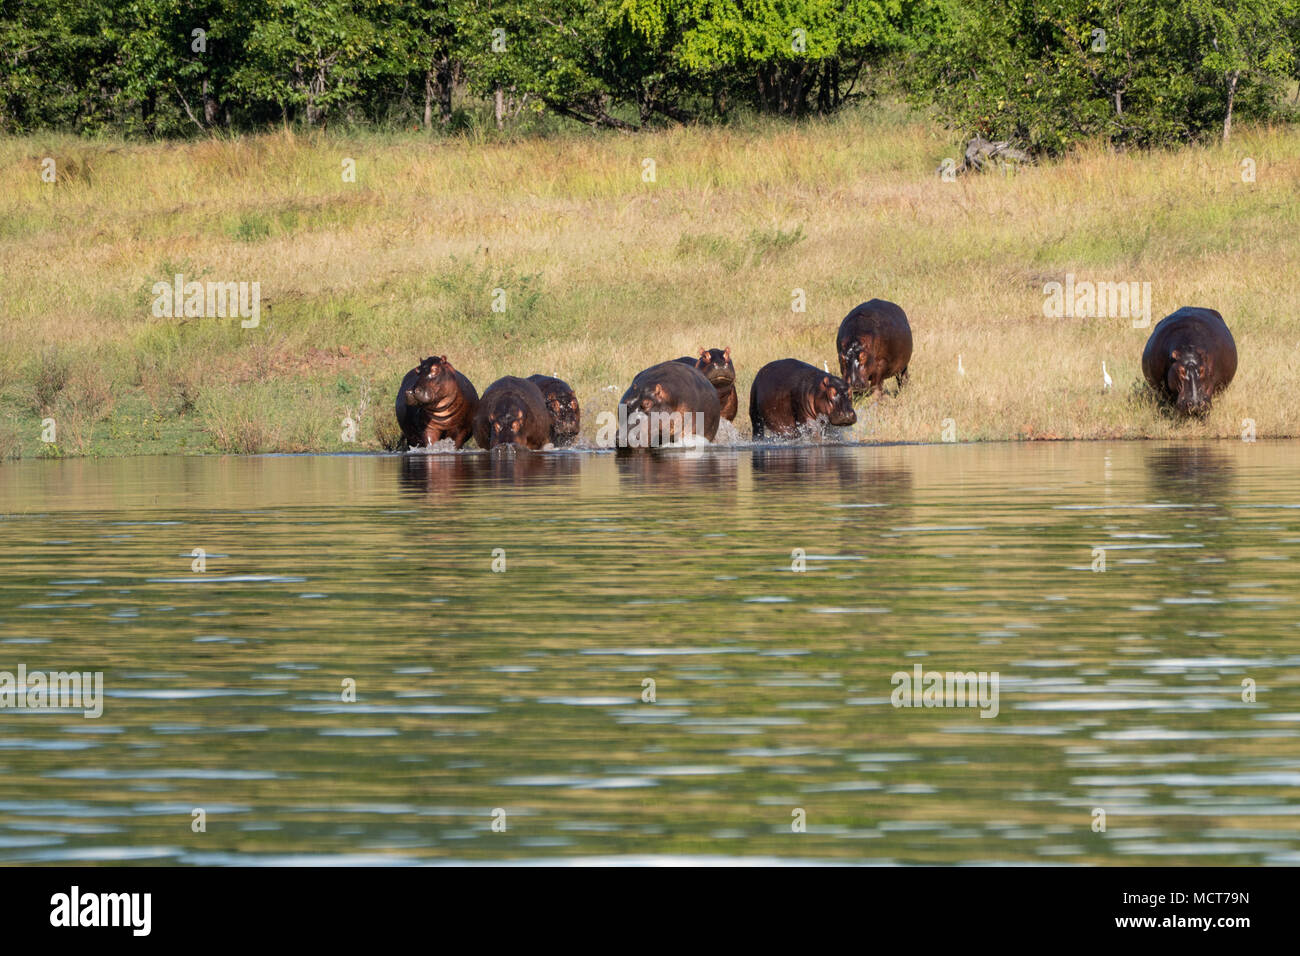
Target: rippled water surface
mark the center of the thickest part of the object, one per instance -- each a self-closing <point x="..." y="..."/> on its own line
<point x="519" y="695"/>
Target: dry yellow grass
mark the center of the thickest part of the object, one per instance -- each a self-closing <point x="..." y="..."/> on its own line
<point x="605" y="273"/>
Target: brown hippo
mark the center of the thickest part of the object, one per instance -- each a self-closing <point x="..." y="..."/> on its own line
<point x="874" y="343"/>
<point x="717" y="368"/>
<point x="512" y="412"/>
<point x="435" y="402"/>
<point x="787" y="393"/>
<point x="566" y="419"/>
<point x="665" y="403"/>
<point x="1189" y="358"/>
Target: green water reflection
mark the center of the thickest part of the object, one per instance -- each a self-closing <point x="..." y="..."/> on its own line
<point x="522" y="690"/>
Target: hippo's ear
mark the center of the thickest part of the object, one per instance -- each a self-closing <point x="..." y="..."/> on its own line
<point x="826" y="381"/>
<point x="726" y="353"/>
<point x="1176" y="354"/>
<point x="659" y="393"/>
<point x="704" y="353"/>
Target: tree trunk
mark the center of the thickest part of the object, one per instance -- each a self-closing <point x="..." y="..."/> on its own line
<point x="446" y="76"/>
<point x="210" y="105"/>
<point x="499" y="106"/>
<point x="796" y="90"/>
<point x="439" y="79"/>
<point x="428" y="98"/>
<point x="1232" y="95"/>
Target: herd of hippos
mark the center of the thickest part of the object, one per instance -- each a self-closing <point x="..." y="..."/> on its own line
<point x="1188" y="359"/>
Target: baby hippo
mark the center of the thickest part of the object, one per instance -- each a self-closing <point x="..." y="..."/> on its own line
<point x="435" y="402"/>
<point x="512" y="412"/>
<point x="874" y="343"/>
<point x="717" y="368"/>
<point x="563" y="406"/>
<point x="665" y="403"/>
<point x="1189" y="358"/>
<point x="787" y="393"/>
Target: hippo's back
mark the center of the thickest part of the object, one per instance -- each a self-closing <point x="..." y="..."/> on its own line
<point x="877" y="317"/>
<point x="408" y="383"/>
<point x="782" y="377"/>
<point x="468" y="390"/>
<point x="1190" y="327"/>
<point x="683" y="381"/>
<point x="687" y="388"/>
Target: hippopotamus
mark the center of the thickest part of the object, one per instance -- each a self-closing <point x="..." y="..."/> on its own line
<point x="563" y="406"/>
<point x="717" y="368"/>
<point x="787" y="393"/>
<point x="512" y="412"/>
<point x="874" y="343"/>
<point x="1189" y="358"/>
<point x="666" y="402"/>
<point x="435" y="402"/>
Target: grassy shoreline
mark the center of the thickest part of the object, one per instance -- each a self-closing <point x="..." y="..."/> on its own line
<point x="604" y="273"/>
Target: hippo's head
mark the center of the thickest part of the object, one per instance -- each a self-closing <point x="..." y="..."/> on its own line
<point x="1188" y="375"/>
<point x="437" y="381"/>
<point x="652" y="398"/>
<point x="563" y="406"/>
<point x="655" y="415"/>
<point x="716" y="366"/>
<point x="505" y="424"/>
<point x="833" y="401"/>
<point x="860" y="365"/>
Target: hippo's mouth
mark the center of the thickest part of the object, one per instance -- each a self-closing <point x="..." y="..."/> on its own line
<point x="844" y="419"/>
<point x="857" y="379"/>
<point x="1192" y="396"/>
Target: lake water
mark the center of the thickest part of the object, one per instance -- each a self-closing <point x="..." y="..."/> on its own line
<point x="517" y="696"/>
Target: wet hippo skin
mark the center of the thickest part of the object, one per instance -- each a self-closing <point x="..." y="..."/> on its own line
<point x="717" y="368"/>
<point x="789" y="393"/>
<point x="674" y="387"/>
<point x="1189" y="358"/>
<point x="562" y="403"/>
<point x="434" y="402"/>
<point x="512" y="412"/>
<point x="874" y="343"/>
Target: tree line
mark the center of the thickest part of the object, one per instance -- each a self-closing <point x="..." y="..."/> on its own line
<point x="1041" y="73"/>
